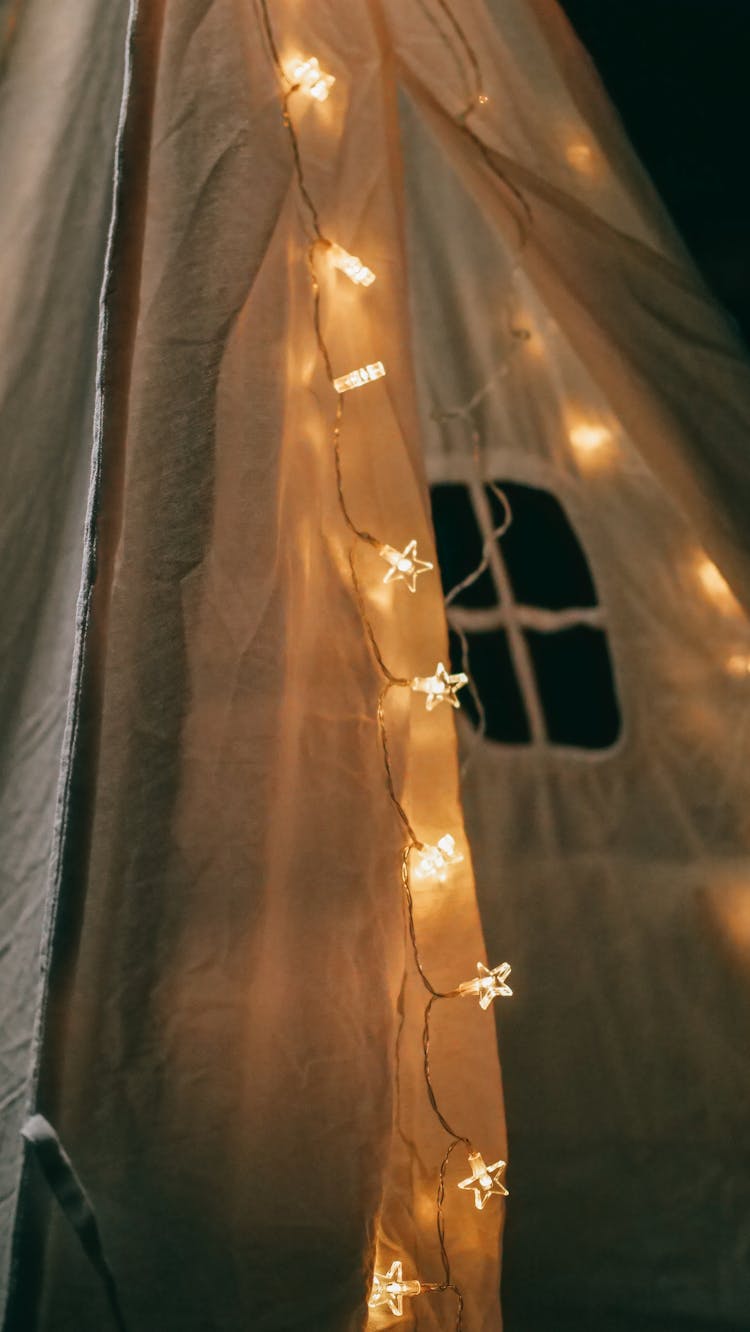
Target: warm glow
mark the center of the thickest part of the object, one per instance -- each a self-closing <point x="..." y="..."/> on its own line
<point x="738" y="664"/>
<point x="488" y="985"/>
<point x="715" y="586"/>
<point x="389" y="1289"/>
<point x="484" y="1180"/>
<point x="482" y="99"/>
<point x="309" y="78"/>
<point x="405" y="565"/>
<point x="440" y="687"/>
<point x="350" y="265"/>
<point x="588" y="438"/>
<point x="581" y="156"/>
<point x="526" y="333"/>
<point x="729" y="902"/>
<point x="356" y="378"/>
<point x="434" y="861"/>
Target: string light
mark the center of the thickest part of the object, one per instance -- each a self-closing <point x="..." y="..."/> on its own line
<point x="738" y="664"/>
<point x="389" y="1289"/>
<point x="310" y="78"/>
<point x="580" y="155"/>
<point x="350" y="265"/>
<point x="435" y="860"/>
<point x="488" y="985"/>
<point x="484" y="1180"/>
<point x="588" y="438"/>
<point x="356" y="378"/>
<point x="405" y="565"/>
<point x="440" y="687"/>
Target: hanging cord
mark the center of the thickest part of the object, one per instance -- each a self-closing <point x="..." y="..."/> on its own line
<point x="441" y="1216"/>
<point x="465" y="412"/>
<point x="477" y="99"/>
<point x="495" y="535"/>
<point x="287" y="90"/>
<point x="75" y="1204"/>
<point x="497" y="532"/>
<point x="479" y="96"/>
<point x="425" y="7"/>
<point x="472" y="79"/>
<point x="391" y="680"/>
<point x="366" y="537"/>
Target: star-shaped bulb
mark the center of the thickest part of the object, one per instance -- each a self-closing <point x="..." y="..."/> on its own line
<point x="487" y="985"/>
<point x="440" y="687"/>
<point x="364" y="374"/>
<point x="405" y="566"/>
<point x="389" y="1289"/>
<point x="484" y="1180"/>
<point x="349" y="264"/>
<point x="434" y="861"/>
<point x="310" y="78"/>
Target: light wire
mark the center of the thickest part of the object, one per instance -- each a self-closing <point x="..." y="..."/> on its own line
<point x="286" y="91"/>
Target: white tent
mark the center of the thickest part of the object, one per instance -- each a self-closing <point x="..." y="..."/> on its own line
<point x="209" y="986"/>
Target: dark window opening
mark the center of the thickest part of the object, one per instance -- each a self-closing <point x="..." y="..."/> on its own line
<point x="542" y="553"/>
<point x="493" y="677"/>
<point x="536" y="637"/>
<point x="461" y="544"/>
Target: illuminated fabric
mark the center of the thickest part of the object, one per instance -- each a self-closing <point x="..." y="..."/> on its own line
<point x="219" y="1051"/>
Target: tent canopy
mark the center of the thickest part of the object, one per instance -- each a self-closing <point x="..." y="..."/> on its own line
<point x="210" y="989"/>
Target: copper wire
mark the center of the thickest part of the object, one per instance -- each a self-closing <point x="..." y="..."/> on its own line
<point x="424" y="5"/>
<point x="285" y="94"/>
<point x="452" y="1133"/>
<point x="363" y="536"/>
<point x="471" y="54"/>
<point x="487" y="545"/>
<point x="391" y="680"/>
<point x="462" y="118"/>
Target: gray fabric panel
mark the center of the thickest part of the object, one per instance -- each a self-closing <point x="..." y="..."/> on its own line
<point x="56" y="152"/>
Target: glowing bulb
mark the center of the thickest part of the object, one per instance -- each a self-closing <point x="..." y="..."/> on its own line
<point x="309" y="78"/>
<point x="580" y="155"/>
<point x="440" y="687"/>
<point x="588" y="438"/>
<point x="482" y="99"/>
<point x="351" y="265"/>
<point x="389" y="1289"/>
<point x="738" y="664"/>
<point x="405" y="566"/>
<point x="484" y="1180"/>
<point x="356" y="378"/>
<point x="715" y="586"/>
<point x="526" y="333"/>
<point x="435" y="860"/>
<point x="487" y="985"/>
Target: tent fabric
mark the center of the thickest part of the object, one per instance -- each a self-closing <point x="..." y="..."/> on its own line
<point x="61" y="71"/>
<point x="617" y="882"/>
<point x="219" y="1051"/>
<point x="229" y="1017"/>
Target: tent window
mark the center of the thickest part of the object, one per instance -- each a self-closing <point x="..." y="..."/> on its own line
<point x="535" y="632"/>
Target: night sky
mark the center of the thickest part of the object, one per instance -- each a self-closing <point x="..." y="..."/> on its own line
<point x="678" y="72"/>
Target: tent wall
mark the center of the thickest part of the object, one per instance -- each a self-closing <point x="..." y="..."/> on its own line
<point x="617" y="881"/>
<point x="222" y="1030"/>
<point x="232" y="1032"/>
<point x="61" y="71"/>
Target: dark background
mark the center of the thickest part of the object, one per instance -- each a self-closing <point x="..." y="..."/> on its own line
<point x="678" y="72"/>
